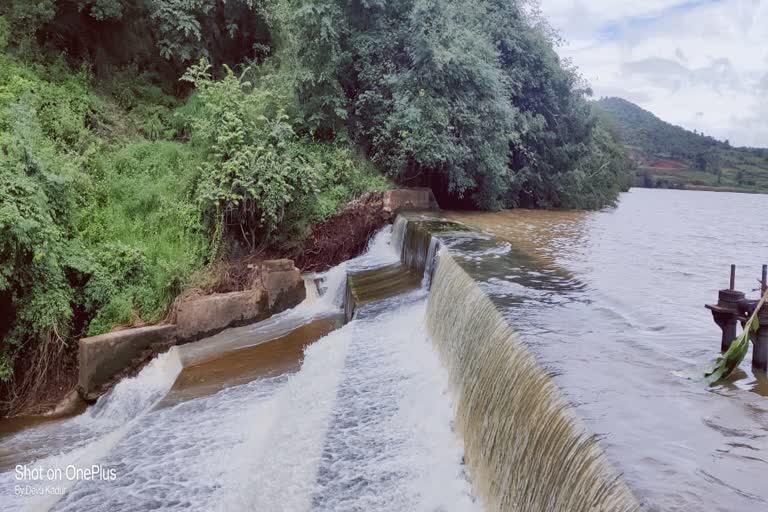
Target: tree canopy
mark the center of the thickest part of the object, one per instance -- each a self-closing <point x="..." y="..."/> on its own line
<point x="468" y="98"/>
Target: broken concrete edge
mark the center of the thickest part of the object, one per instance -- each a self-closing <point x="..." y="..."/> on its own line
<point x="198" y="317"/>
<point x="71" y="404"/>
<point x="102" y="358"/>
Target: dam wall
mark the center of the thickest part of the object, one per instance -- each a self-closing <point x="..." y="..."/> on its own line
<point x="524" y="447"/>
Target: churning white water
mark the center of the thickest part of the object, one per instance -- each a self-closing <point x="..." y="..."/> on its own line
<point x="82" y="441"/>
<point x="365" y="424"/>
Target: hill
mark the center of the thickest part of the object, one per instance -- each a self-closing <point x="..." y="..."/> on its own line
<point x="668" y="156"/>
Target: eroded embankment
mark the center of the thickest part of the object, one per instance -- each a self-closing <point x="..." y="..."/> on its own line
<point x="344" y="235"/>
<point x="525" y="449"/>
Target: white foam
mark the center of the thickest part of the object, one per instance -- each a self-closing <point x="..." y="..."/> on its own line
<point x="275" y="468"/>
<point x="391" y="445"/>
<point x="134" y="395"/>
<point x="365" y="425"/>
<point x="90" y="436"/>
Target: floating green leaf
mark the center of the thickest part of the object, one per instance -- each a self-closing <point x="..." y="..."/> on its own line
<point x="729" y="361"/>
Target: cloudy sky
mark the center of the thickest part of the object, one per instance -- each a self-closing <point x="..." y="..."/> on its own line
<point x="701" y="64"/>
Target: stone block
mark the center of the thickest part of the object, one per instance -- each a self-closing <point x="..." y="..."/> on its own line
<point x="283" y="284"/>
<point x="208" y="315"/>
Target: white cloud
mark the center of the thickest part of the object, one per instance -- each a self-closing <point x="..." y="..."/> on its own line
<point x="702" y="64"/>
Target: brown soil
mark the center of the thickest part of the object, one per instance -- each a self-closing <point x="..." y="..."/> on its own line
<point x="340" y="237"/>
<point x="668" y="165"/>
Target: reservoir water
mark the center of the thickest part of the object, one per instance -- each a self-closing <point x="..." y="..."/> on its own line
<point x="613" y="303"/>
<point x="523" y="360"/>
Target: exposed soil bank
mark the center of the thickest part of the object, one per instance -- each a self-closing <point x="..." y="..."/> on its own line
<point x="342" y="236"/>
<point x="34" y="392"/>
<point x="339" y="238"/>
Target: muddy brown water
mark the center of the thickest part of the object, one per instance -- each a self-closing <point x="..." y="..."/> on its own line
<point x="279" y="354"/>
<point x="612" y="302"/>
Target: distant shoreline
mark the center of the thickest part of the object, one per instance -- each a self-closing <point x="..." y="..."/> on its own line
<point x="706" y="188"/>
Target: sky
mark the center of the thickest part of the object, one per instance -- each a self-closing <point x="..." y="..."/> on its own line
<point x="700" y="64"/>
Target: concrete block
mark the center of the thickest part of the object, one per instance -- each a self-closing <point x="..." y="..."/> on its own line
<point x="283" y="284"/>
<point x="409" y="199"/>
<point x="207" y="315"/>
<point x="101" y="357"/>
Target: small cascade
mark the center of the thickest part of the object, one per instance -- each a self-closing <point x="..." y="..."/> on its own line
<point x="429" y="264"/>
<point x="87" y="438"/>
<point x="332" y="286"/>
<point x="525" y="450"/>
<point x="133" y="396"/>
<point x="398" y="234"/>
<point x="416" y="244"/>
<point x="311" y="287"/>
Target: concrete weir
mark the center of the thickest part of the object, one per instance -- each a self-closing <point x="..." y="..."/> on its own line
<point x="103" y="357"/>
<point x="280" y="287"/>
<point x="525" y="448"/>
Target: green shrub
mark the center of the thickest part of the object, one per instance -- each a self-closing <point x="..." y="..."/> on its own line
<point x="144" y="228"/>
<point x="111" y="232"/>
<point x="258" y="174"/>
<point x="4" y="33"/>
<point x="36" y="199"/>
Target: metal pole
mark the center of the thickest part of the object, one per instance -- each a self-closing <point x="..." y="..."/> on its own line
<point x="733" y="277"/>
<point x="764" y="285"/>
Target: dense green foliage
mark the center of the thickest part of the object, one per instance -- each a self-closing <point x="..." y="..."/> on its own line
<point x="109" y="188"/>
<point x="161" y="36"/>
<point x="78" y="237"/>
<point x="142" y="140"/>
<point x="468" y="98"/>
<point x="671" y="156"/>
<point x="258" y="175"/>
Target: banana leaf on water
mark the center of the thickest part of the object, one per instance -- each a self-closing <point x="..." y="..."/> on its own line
<point x="729" y="361"/>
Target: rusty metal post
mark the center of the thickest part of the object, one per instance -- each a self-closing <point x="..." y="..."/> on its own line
<point x="726" y="312"/>
<point x="760" y="342"/>
<point x="760" y="338"/>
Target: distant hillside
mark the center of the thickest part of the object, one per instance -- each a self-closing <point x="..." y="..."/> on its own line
<point x="669" y="156"/>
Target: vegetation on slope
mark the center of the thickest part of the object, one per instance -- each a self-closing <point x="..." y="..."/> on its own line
<point x="669" y="156"/>
<point x="142" y="141"/>
<point x="468" y="98"/>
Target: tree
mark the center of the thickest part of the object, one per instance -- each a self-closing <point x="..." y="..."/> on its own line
<point x="253" y="169"/>
<point x="468" y="98"/>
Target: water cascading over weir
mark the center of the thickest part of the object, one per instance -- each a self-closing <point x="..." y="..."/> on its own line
<point x="419" y="397"/>
<point x="524" y="448"/>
